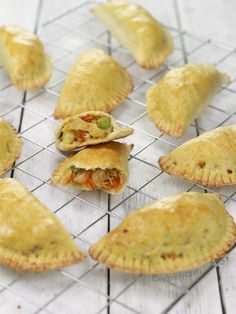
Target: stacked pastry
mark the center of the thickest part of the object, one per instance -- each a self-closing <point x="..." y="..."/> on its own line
<point x="173" y="234"/>
<point x="96" y="83"/>
<point x="101" y="166"/>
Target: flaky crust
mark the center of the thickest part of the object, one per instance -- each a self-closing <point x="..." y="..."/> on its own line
<point x="137" y="31"/>
<point x="95" y="82"/>
<point x="170" y="235"/>
<point x="22" y="55"/>
<point x="181" y="95"/>
<point x="10" y="146"/>
<point x="209" y="159"/>
<point x="118" y="132"/>
<point x="31" y="237"/>
<point x="104" y="156"/>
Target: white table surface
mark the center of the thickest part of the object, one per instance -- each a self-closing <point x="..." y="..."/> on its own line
<point x="57" y="292"/>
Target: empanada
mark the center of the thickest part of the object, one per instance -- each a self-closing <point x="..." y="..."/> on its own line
<point x="31" y="236"/>
<point x="180" y="96"/>
<point x="95" y="82"/>
<point x="88" y="128"/>
<point x="137" y="31"/>
<point x="22" y="55"/>
<point x="170" y="235"/>
<point x="103" y="167"/>
<point x="209" y="159"/>
<point x="10" y="146"/>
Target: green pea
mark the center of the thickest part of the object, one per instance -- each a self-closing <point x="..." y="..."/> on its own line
<point x="75" y="169"/>
<point x="103" y="123"/>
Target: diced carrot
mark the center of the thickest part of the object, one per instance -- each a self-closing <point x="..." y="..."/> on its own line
<point x="85" y="178"/>
<point x="81" y="136"/>
<point x="88" y="118"/>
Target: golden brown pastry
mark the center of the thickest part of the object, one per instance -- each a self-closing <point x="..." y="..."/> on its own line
<point x="31" y="236"/>
<point x="95" y="82"/>
<point x="209" y="159"/>
<point x="103" y="167"/>
<point x="173" y="234"/>
<point x="10" y="146"/>
<point x="88" y="128"/>
<point x="23" y="57"/>
<point x="137" y="31"/>
<point x="181" y="95"/>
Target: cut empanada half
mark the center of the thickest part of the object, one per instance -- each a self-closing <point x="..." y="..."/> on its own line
<point x="137" y="31"/>
<point x="23" y="57"/>
<point x="174" y="234"/>
<point x="95" y="82"/>
<point x="10" y="146"/>
<point x="181" y="95"/>
<point x="103" y="167"/>
<point x="31" y="236"/>
<point x="88" y="128"/>
<point x="209" y="159"/>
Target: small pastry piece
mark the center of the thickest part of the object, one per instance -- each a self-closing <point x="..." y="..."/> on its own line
<point x="209" y="159"/>
<point x="181" y="95"/>
<point x="88" y="128"/>
<point x="10" y="146"/>
<point x="103" y="167"/>
<point x="31" y="236"/>
<point x="95" y="82"/>
<point x="137" y="31"/>
<point x="23" y="57"/>
<point x="170" y="235"/>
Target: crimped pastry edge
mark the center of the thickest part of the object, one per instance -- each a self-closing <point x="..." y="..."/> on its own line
<point x="37" y="81"/>
<point x="5" y="167"/>
<point x="213" y="181"/>
<point x="143" y="267"/>
<point x="38" y="264"/>
<point x="108" y="105"/>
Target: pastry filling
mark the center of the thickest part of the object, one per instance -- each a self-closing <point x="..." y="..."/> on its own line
<point x="108" y="179"/>
<point x="85" y="128"/>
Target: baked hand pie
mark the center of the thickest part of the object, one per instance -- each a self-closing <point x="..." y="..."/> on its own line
<point x="10" y="146"/>
<point x="209" y="159"/>
<point x="23" y="57"/>
<point x="31" y="236"/>
<point x="103" y="167"/>
<point x="137" y="31"/>
<point x="88" y="128"/>
<point x="95" y="82"/>
<point x="181" y="95"/>
<point x="174" y="234"/>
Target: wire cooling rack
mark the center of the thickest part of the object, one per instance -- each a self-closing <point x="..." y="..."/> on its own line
<point x="90" y="287"/>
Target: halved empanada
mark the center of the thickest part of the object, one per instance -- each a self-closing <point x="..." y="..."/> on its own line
<point x="179" y="97"/>
<point x="31" y="236"/>
<point x="88" y="128"/>
<point x="95" y="82"/>
<point x="209" y="159"/>
<point x="22" y="55"/>
<point x="170" y="235"/>
<point x="103" y="167"/>
<point x="137" y="31"/>
<point x="10" y="146"/>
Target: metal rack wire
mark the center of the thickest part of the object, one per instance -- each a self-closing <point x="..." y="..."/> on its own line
<point x="65" y="35"/>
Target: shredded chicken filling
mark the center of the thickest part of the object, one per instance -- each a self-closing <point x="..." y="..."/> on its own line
<point x="98" y="178"/>
<point x="87" y="127"/>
